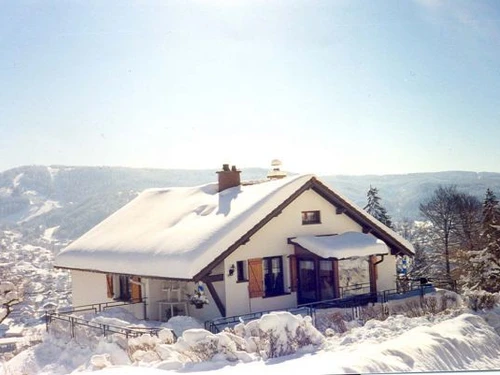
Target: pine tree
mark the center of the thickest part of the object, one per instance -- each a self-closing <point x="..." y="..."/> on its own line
<point x="375" y="209"/>
<point x="485" y="271"/>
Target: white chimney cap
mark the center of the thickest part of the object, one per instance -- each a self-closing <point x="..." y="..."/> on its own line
<point x="275" y="163"/>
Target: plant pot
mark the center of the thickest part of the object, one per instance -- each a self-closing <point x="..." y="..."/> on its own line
<point x="199" y="305"/>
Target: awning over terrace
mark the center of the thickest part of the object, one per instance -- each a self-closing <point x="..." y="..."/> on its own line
<point x="342" y="246"/>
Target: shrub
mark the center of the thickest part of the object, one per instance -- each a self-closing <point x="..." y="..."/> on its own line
<point x="480" y="300"/>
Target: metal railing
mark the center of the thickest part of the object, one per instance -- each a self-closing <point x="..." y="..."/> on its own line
<point x="67" y="316"/>
<point x="102" y="306"/>
<point x="217" y="325"/>
<point x="104" y="329"/>
<point x="355" y="289"/>
<point x="413" y="291"/>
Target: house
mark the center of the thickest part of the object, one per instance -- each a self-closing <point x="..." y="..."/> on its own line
<point x="242" y="246"/>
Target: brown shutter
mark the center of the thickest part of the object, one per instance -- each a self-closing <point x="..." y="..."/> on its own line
<point x="136" y="289"/>
<point x="373" y="273"/>
<point x="293" y="273"/>
<point x="109" y="285"/>
<point x="255" y="279"/>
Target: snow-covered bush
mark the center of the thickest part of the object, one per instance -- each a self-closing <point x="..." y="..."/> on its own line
<point x="411" y="308"/>
<point x="430" y="304"/>
<point x="145" y="348"/>
<point x="377" y="311"/>
<point x="450" y="300"/>
<point x="480" y="300"/>
<point x="335" y="321"/>
<point x="200" y="345"/>
<point x="279" y="333"/>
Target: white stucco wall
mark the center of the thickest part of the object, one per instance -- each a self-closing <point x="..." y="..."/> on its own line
<point x="386" y="273"/>
<point x="90" y="287"/>
<point x="271" y="240"/>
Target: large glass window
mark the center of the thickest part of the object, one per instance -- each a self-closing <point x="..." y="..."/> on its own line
<point x="273" y="276"/>
<point x="354" y="276"/>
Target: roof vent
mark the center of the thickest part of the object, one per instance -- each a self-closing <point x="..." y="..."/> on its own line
<point x="275" y="172"/>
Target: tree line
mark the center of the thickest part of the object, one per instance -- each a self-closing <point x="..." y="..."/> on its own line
<point x="457" y="242"/>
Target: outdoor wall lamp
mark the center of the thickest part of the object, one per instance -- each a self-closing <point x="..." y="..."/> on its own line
<point x="231" y="270"/>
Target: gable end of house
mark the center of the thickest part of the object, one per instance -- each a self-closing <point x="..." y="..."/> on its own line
<point x="342" y="206"/>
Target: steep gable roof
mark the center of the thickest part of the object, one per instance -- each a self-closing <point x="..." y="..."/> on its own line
<point x="185" y="232"/>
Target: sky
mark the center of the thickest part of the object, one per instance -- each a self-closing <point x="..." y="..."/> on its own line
<point x="327" y="87"/>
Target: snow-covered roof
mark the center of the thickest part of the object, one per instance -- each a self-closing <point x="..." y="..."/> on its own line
<point x="342" y="246"/>
<point x="183" y="232"/>
<point x="176" y="232"/>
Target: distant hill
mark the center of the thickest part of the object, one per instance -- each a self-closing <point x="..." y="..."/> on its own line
<point x="401" y="194"/>
<point x="74" y="199"/>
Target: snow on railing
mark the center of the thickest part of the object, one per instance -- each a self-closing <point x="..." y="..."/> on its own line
<point x="74" y="322"/>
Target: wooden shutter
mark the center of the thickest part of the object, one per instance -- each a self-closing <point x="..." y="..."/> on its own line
<point x="255" y="279"/>
<point x="373" y="273"/>
<point x="293" y="273"/>
<point x="109" y="285"/>
<point x="136" y="289"/>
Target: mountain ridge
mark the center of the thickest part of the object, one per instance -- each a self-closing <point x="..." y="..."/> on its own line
<point x="75" y="198"/>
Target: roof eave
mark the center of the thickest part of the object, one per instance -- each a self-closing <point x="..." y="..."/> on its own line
<point x="92" y="270"/>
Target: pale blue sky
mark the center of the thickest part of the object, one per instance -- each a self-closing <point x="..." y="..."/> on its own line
<point x="337" y="87"/>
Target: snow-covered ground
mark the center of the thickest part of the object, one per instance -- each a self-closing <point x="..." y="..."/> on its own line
<point x="456" y="339"/>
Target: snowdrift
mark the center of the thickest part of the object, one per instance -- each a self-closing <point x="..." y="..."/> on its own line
<point x="432" y="343"/>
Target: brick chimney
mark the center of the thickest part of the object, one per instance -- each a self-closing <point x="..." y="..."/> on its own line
<point x="228" y="178"/>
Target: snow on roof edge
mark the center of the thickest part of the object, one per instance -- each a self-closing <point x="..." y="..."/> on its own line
<point x="342" y="246"/>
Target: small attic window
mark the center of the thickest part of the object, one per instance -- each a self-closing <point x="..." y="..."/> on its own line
<point x="311" y="217"/>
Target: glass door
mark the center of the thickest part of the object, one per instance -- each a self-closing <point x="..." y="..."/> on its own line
<point x="307" y="291"/>
<point x="326" y="280"/>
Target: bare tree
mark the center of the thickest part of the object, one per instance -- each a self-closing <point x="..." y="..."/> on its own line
<point x="9" y="296"/>
<point x="441" y="211"/>
<point x="468" y="228"/>
<point x="456" y="224"/>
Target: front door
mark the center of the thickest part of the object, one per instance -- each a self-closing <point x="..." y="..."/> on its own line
<point x="307" y="290"/>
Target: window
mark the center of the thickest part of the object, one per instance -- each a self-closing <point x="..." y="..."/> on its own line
<point x="241" y="271"/>
<point x="273" y="276"/>
<point x="123" y="287"/>
<point x="311" y="217"/>
<point x="124" y="291"/>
